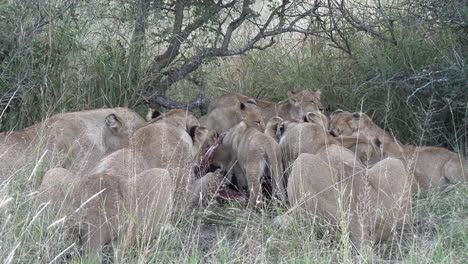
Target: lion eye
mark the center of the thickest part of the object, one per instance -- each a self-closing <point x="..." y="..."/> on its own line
<point x="312" y="102"/>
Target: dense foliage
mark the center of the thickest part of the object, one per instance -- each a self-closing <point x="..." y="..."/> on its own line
<point x="402" y="61"/>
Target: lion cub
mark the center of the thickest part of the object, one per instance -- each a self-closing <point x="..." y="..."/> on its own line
<point x="253" y="156"/>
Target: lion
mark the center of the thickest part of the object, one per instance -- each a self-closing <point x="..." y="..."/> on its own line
<point x="277" y="126"/>
<point x="304" y="137"/>
<point x="223" y="118"/>
<point x="95" y="207"/>
<point x="310" y="137"/>
<point x="431" y="166"/>
<point x="353" y="124"/>
<point x="73" y="140"/>
<point x="253" y="157"/>
<point x="367" y="200"/>
<point x="171" y="141"/>
<point x="99" y="205"/>
<point x="293" y="108"/>
<point x="167" y="145"/>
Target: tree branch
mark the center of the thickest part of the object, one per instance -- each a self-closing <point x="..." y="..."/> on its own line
<point x="155" y="92"/>
<point x="179" y="35"/>
<point x="137" y="41"/>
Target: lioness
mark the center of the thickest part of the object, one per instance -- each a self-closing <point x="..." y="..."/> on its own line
<point x="430" y="165"/>
<point x="295" y="107"/>
<point x="167" y="142"/>
<point x="171" y="141"/>
<point x="277" y="126"/>
<point x="102" y="208"/>
<point x="352" y="124"/>
<point x="309" y="137"/>
<point x="367" y="201"/>
<point x="73" y="140"/>
<point x="223" y="118"/>
<point x="254" y="156"/>
<point x="100" y="205"/>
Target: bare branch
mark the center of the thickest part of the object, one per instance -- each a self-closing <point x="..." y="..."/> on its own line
<point x="235" y="24"/>
<point x="180" y="36"/>
<point x="284" y="22"/>
<point x="352" y="20"/>
<point x="136" y="42"/>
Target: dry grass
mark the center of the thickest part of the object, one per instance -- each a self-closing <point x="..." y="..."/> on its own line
<point x="230" y="233"/>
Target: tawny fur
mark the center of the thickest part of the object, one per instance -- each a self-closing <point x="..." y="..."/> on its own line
<point x="163" y="143"/>
<point x="300" y="138"/>
<point x="430" y="165"/>
<point x="250" y="153"/>
<point x="100" y="205"/>
<point x="317" y="118"/>
<point x="73" y="140"/>
<point x="223" y="118"/>
<point x="318" y="161"/>
<point x="369" y="200"/>
<point x="295" y="107"/>
<point x="274" y="128"/>
<point x="162" y="147"/>
<point x="344" y="123"/>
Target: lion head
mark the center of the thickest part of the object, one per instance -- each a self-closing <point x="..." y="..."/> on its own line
<point x="250" y="112"/>
<point x="344" y="123"/>
<point x="231" y="112"/>
<point x="303" y="102"/>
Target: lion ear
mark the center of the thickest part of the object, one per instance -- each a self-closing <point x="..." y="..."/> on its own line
<point x="152" y="114"/>
<point x="251" y="101"/>
<point x="377" y="142"/>
<point x="357" y="116"/>
<point x="113" y="123"/>
<point x="193" y="131"/>
<point x="282" y="128"/>
<point x="309" y="117"/>
<point x="318" y="93"/>
<point x="242" y="106"/>
<point x="337" y="111"/>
